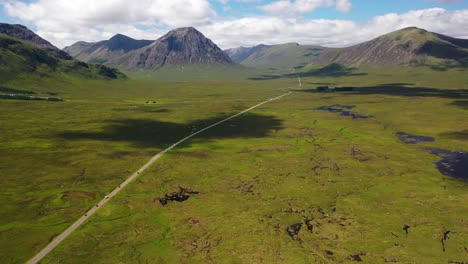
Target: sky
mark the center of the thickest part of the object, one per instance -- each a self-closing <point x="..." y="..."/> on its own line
<point x="233" y="23"/>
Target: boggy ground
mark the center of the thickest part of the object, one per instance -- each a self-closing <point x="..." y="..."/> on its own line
<point x="305" y="186"/>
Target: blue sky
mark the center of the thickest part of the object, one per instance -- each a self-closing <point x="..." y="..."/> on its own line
<point x="362" y="9"/>
<point x="230" y="23"/>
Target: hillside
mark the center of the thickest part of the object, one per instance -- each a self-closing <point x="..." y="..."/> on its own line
<point x="178" y="48"/>
<point x="241" y="53"/>
<point x="409" y="46"/>
<point x="29" y="55"/>
<point x="102" y="51"/>
<point x="23" y="33"/>
<point x="285" y="56"/>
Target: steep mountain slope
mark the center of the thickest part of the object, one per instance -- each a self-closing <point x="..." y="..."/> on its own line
<point x="100" y="52"/>
<point x="23" y="58"/>
<point x="179" y="47"/>
<point x="409" y="46"/>
<point x="285" y="56"/>
<point x="23" y="33"/>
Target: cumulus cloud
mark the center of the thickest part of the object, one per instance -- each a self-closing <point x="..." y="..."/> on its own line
<point x="287" y="7"/>
<point x="64" y="22"/>
<point x="60" y="20"/>
<point x="332" y="33"/>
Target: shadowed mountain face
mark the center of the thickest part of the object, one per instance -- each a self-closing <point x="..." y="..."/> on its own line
<point x="23" y="33"/>
<point x="405" y="47"/>
<point x="179" y="47"/>
<point x="102" y="51"/>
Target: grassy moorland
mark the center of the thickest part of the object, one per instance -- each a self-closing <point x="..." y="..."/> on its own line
<point x="284" y="183"/>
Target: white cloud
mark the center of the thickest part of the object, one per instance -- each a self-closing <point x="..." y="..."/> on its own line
<point x="62" y="21"/>
<point x="65" y="22"/>
<point x="331" y="33"/>
<point x="291" y="8"/>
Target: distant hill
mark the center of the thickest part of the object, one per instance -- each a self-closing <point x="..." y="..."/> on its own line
<point x="406" y="47"/>
<point x="23" y="53"/>
<point x="178" y="48"/>
<point x="241" y="53"/>
<point x="23" y="33"/>
<point x="285" y="56"/>
<point x="102" y="51"/>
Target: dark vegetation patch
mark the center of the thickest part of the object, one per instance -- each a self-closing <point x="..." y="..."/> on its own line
<point x="445" y="237"/>
<point x="332" y="70"/>
<point x="30" y="97"/>
<point x="327" y="89"/>
<point x="293" y="231"/>
<point x="181" y="195"/>
<point x="77" y="196"/>
<point x="357" y="154"/>
<point x="413" y="139"/>
<point x="460" y="135"/>
<point x="342" y="110"/>
<point x="154" y="133"/>
<point x="4" y="89"/>
<point x="273" y="148"/>
<point x="329" y="166"/>
<point x="143" y="109"/>
<point x="460" y="103"/>
<point x="452" y="163"/>
<point x="246" y="188"/>
<point x="406" y="228"/>
<point x="356" y="257"/>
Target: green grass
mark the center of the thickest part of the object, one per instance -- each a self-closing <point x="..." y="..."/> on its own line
<point x="279" y="165"/>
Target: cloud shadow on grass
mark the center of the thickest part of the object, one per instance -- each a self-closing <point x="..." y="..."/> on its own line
<point x="154" y="133"/>
<point x="400" y="90"/>
<point x="459" y="135"/>
<point x="461" y="103"/>
<point x="332" y="70"/>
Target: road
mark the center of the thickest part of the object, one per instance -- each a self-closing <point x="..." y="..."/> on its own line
<point x="88" y="214"/>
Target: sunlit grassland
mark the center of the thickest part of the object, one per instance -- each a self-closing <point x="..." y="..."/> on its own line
<point x="257" y="175"/>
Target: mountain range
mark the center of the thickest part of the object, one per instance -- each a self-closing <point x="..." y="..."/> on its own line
<point x="179" y="47"/>
<point x="21" y="50"/>
<point x="406" y="47"/>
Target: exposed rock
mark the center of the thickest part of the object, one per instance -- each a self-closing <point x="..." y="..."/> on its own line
<point x="179" y="47"/>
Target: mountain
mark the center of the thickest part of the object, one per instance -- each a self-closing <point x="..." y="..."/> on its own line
<point x="178" y="48"/>
<point x="408" y="46"/>
<point x="23" y="33"/>
<point x="241" y="53"/>
<point x="23" y="54"/>
<point x="101" y="52"/>
<point x="284" y="56"/>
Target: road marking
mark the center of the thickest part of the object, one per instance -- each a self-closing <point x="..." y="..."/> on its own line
<point x="88" y="214"/>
